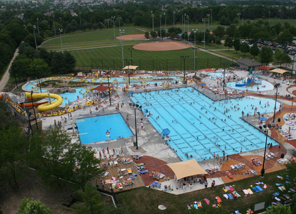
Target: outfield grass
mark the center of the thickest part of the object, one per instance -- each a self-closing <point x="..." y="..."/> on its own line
<point x="211" y="46"/>
<point x="90" y="37"/>
<point x="110" y="59"/>
<point x="232" y="53"/>
<point x="145" y="200"/>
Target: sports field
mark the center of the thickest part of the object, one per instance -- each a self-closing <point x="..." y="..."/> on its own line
<point x="110" y="58"/>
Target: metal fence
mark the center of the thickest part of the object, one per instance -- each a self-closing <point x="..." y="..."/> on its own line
<point x="158" y="64"/>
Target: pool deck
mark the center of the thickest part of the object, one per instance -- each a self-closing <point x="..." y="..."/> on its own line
<point x="157" y="154"/>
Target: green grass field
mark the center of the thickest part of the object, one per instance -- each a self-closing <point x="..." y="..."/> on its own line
<point x="232" y="53"/>
<point x="110" y="59"/>
<point x="145" y="200"/>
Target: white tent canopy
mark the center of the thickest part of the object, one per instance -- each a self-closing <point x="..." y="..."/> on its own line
<point x="186" y="169"/>
<point x="130" y="67"/>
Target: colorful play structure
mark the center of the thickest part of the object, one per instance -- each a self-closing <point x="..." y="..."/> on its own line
<point x="49" y="105"/>
<point x="249" y="81"/>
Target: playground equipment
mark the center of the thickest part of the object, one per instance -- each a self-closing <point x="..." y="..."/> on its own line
<point x="249" y="81"/>
<point x="46" y="106"/>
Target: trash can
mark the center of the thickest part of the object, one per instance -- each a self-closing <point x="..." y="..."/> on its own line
<point x="282" y="155"/>
<point x="135" y="144"/>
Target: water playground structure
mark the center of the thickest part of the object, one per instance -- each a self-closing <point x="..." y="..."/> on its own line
<point x="249" y="81"/>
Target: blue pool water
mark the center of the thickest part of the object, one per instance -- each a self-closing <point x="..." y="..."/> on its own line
<point x="93" y="129"/>
<point x="194" y="131"/>
<point x="34" y="83"/>
<point x="71" y="97"/>
<point x="217" y="74"/>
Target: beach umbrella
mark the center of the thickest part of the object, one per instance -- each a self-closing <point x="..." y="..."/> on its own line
<point x="262" y="118"/>
<point x="202" y="84"/>
<point x="131" y="92"/>
<point x="166" y="131"/>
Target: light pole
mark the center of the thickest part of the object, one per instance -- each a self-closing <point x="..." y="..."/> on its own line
<point x="109" y="87"/>
<point x="37" y="72"/>
<point x="238" y="17"/>
<point x="121" y="32"/>
<point x="174" y="17"/>
<point x="269" y="17"/>
<point x="135" y="109"/>
<point x="263" y="169"/>
<point x="276" y="86"/>
<point x="184" y="21"/>
<point x="80" y="20"/>
<point x="113" y="17"/>
<point x="108" y="18"/>
<point x="211" y="17"/>
<point x="61" y="30"/>
<point x="188" y="28"/>
<point x="204" y="21"/>
<point x="34" y="109"/>
<point x="55" y="33"/>
<point x="224" y="63"/>
<point x="119" y="18"/>
<point x="131" y="54"/>
<point x="152" y="15"/>
<point x="194" y="31"/>
<point x="165" y="22"/>
<point x="34" y="26"/>
<point x="208" y="15"/>
<point x="160" y="26"/>
<point x="38" y="27"/>
<point x="184" y="58"/>
<point x="129" y="78"/>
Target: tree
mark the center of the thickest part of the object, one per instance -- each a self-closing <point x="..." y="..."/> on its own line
<point x="13" y="145"/>
<point x="236" y="44"/>
<point x="57" y="62"/>
<point x="69" y="62"/>
<point x="219" y="31"/>
<point x="218" y="41"/>
<point x="27" y="49"/>
<point x="53" y="157"/>
<point x="254" y="50"/>
<point x="279" y="209"/>
<point x="39" y="68"/>
<point x="228" y="42"/>
<point x="266" y="55"/>
<point x="245" y="48"/>
<point x="31" y="40"/>
<point x="92" y="203"/>
<point x="28" y="206"/>
<point x="230" y="30"/>
<point x="147" y="36"/>
<point x="88" y="164"/>
<point x="112" y="210"/>
<point x="285" y="37"/>
<point x="285" y="58"/>
<point x="153" y="35"/>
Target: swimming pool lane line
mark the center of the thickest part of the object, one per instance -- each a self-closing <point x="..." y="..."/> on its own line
<point x="180" y="135"/>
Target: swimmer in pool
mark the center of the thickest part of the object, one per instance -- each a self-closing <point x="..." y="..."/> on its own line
<point x="95" y="121"/>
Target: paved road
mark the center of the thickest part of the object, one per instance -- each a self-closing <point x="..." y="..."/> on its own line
<point x="5" y="76"/>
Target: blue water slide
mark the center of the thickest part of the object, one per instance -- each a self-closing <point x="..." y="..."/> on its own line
<point x="244" y="84"/>
<point x="255" y="75"/>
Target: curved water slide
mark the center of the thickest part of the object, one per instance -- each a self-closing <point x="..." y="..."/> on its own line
<point x="245" y="84"/>
<point x="48" y="105"/>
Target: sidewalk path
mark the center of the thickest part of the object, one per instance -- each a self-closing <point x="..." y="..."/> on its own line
<point x="5" y="76"/>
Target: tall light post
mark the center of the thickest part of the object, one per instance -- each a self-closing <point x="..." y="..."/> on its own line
<point x="269" y="17"/>
<point x="34" y="26"/>
<point x="165" y="22"/>
<point x="113" y="18"/>
<point x="174" y="17"/>
<point x="211" y="17"/>
<point x="263" y="165"/>
<point x="109" y="87"/>
<point x="135" y="110"/>
<point x="122" y="32"/>
<point x="80" y="20"/>
<point x="277" y="87"/>
<point x="119" y="18"/>
<point x="34" y="109"/>
<point x="194" y="31"/>
<point x="131" y="55"/>
<point x="184" y="58"/>
<point x="208" y="15"/>
<point x="129" y="78"/>
<point x="238" y="17"/>
<point x="152" y="16"/>
<point x="224" y="83"/>
<point x="61" y="30"/>
<point x="160" y="26"/>
<point x="204" y="21"/>
<point x="188" y="29"/>
<point x="184" y="21"/>
<point x="108" y="18"/>
<point x="55" y="33"/>
<point x="38" y="27"/>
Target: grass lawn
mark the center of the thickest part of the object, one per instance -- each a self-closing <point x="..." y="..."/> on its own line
<point x="145" y="200"/>
<point x="211" y="46"/>
<point x="91" y="37"/>
<point x="234" y="55"/>
<point x="110" y="58"/>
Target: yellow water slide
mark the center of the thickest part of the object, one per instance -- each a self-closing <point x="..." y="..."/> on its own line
<point x="47" y="106"/>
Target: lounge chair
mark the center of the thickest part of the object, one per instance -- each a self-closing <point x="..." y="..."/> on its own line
<point x="259" y="188"/>
<point x="230" y="196"/>
<point x="143" y="171"/>
<point x="229" y="174"/>
<point x="207" y="201"/>
<point x="218" y="199"/>
<point x="255" y="189"/>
